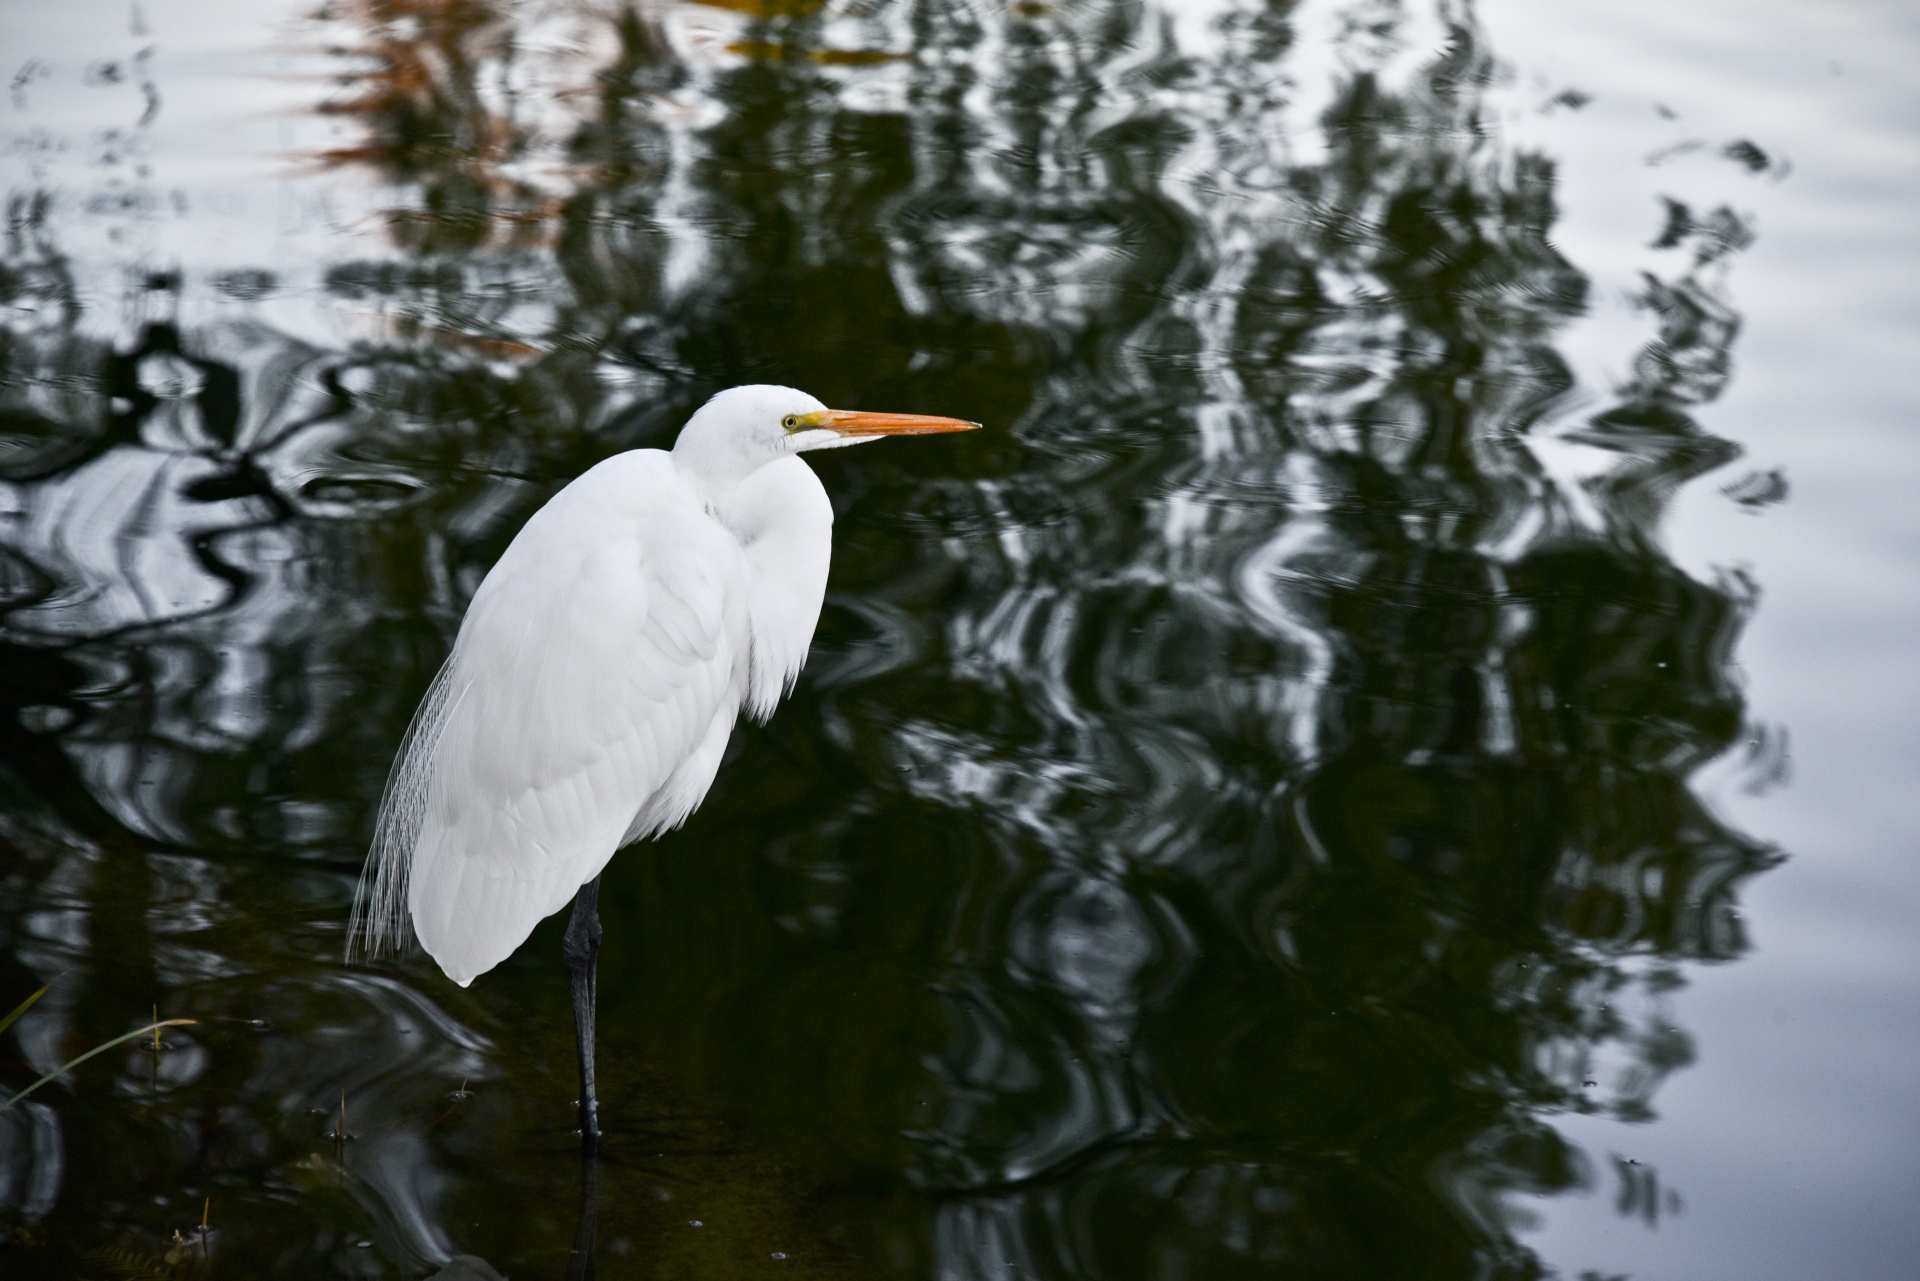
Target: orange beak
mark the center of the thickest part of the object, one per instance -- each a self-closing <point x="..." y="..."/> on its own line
<point x="860" y="423"/>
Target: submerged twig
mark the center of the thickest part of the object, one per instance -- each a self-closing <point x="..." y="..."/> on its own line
<point x="459" y="1096"/>
<point x="340" y="1132"/>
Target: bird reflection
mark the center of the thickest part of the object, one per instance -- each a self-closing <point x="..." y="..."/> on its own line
<point x="580" y="1257"/>
<point x="1219" y="829"/>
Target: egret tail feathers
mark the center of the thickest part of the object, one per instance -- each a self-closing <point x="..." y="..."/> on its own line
<point x="382" y="923"/>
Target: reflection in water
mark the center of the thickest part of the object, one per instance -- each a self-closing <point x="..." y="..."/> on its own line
<point x="1230" y="809"/>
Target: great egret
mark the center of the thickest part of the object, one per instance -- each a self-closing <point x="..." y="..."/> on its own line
<point x="596" y="678"/>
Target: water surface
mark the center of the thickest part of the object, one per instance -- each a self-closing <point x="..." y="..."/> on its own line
<point x="1252" y="811"/>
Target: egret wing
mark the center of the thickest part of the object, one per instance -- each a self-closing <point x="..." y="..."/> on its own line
<point x="596" y="668"/>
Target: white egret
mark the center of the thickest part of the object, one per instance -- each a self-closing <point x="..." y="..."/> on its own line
<point x="595" y="680"/>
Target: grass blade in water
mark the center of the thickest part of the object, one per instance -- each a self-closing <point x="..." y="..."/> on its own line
<point x="98" y="1049"/>
<point x="27" y="1004"/>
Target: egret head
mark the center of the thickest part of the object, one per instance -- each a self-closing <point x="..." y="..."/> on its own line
<point x="744" y="428"/>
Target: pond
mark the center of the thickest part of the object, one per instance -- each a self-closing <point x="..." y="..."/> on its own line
<point x="1385" y="758"/>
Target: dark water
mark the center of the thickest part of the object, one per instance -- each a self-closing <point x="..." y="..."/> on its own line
<point x="1238" y="807"/>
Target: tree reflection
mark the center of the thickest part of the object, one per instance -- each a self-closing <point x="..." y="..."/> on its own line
<point x="1228" y="814"/>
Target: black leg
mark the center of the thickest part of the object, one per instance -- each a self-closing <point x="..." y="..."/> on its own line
<point x="582" y="949"/>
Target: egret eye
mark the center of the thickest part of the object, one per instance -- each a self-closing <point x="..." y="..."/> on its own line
<point x="791" y="422"/>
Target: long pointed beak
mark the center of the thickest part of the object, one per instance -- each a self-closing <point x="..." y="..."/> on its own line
<point x="860" y="423"/>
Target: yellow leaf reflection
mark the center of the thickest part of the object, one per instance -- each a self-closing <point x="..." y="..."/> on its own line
<point x="760" y="50"/>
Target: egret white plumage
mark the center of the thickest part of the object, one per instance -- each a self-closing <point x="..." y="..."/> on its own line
<point x="596" y="678"/>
